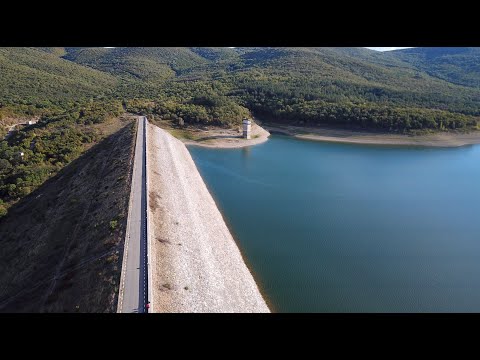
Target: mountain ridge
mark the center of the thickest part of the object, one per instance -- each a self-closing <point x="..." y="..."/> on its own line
<point x="312" y="85"/>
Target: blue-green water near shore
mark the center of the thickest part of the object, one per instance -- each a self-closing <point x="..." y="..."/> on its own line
<point x="329" y="227"/>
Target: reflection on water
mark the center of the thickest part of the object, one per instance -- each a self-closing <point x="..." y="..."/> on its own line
<point x="246" y="151"/>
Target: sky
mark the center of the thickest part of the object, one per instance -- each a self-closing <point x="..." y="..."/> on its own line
<point x="387" y="48"/>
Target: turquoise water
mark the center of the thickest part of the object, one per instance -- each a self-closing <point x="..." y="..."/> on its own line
<point x="331" y="227"/>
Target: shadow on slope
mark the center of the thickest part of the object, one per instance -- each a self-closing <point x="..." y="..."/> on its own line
<point x="62" y="246"/>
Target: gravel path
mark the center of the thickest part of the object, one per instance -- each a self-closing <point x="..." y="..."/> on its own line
<point x="197" y="266"/>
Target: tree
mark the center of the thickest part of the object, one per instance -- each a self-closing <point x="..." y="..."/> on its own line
<point x="3" y="211"/>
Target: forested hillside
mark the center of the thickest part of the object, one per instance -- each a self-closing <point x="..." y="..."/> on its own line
<point x="73" y="91"/>
<point x="42" y="79"/>
<point x="62" y="245"/>
<point x="146" y="64"/>
<point x="353" y="87"/>
<point x="458" y="65"/>
<point x="405" y="90"/>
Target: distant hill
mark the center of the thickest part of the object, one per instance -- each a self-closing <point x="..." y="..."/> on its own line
<point x="34" y="76"/>
<point x="146" y="64"/>
<point x="349" y="87"/>
<point x="458" y="65"/>
<point x="410" y="89"/>
<point x="215" y="54"/>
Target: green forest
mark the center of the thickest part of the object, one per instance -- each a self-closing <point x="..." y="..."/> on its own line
<point x="399" y="91"/>
<point x="73" y="91"/>
<point x="34" y="153"/>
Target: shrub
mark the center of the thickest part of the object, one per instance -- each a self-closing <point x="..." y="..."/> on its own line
<point x="113" y="224"/>
<point x="3" y="211"/>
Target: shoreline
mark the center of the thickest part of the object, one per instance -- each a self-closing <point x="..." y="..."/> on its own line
<point x="226" y="138"/>
<point x="326" y="134"/>
<point x="198" y="266"/>
<point x="260" y="285"/>
<point x="219" y="138"/>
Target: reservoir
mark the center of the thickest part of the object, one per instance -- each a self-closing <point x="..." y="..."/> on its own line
<point x="329" y="227"/>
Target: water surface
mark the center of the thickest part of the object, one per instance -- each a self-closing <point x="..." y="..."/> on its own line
<point x="330" y="227"/>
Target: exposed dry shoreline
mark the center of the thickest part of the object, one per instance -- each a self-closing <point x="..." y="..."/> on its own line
<point x="198" y="266"/>
<point x="228" y="138"/>
<point x="446" y="139"/>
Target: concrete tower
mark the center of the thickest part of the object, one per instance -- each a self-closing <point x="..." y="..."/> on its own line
<point x="247" y="128"/>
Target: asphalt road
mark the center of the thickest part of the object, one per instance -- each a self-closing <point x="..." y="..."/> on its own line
<point x="135" y="293"/>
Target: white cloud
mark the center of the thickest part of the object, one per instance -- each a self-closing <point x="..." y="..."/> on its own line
<point x="387" y="48"/>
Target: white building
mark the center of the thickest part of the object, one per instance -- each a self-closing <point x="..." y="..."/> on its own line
<point x="247" y="129"/>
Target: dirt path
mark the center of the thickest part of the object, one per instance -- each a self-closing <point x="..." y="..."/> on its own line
<point x="11" y="129"/>
<point x="10" y="124"/>
<point x="197" y="264"/>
